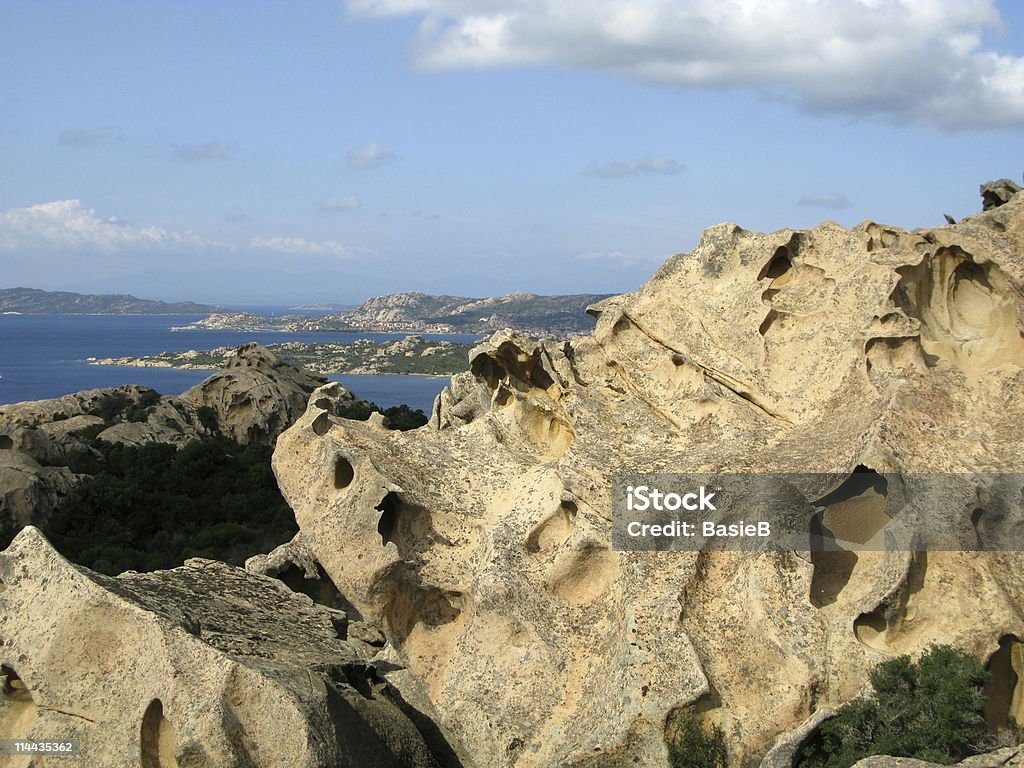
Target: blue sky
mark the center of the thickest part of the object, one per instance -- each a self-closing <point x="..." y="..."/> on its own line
<point x="280" y="152"/>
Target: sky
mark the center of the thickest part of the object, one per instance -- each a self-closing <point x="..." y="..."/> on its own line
<point x="298" y="152"/>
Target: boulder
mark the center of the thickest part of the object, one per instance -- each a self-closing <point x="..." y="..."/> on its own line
<point x="256" y="395"/>
<point x="996" y="193"/>
<point x="480" y="545"/>
<point x="204" y="666"/>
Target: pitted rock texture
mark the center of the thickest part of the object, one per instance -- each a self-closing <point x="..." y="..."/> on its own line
<point x="202" y="666"/>
<point x="256" y="395"/>
<point x="480" y="544"/>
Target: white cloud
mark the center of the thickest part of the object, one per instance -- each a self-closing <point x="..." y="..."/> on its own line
<point x="825" y="201"/>
<point x="299" y="246"/>
<point x="338" y="204"/>
<point x="67" y="224"/>
<point x="371" y="156"/>
<point x="204" y="151"/>
<point x="910" y="60"/>
<point x="647" y="165"/>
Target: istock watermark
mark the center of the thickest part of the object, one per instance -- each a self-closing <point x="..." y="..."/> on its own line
<point x="859" y="511"/>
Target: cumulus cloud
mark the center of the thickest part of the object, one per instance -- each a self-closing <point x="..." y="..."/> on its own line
<point x="647" y="165"/>
<point x="338" y="204"/>
<point x="86" y="138"/>
<point x="205" y="151"/>
<point x="69" y="225"/>
<point x="909" y="61"/>
<point x="371" y="156"/>
<point x="825" y="201"/>
<point x="299" y="246"/>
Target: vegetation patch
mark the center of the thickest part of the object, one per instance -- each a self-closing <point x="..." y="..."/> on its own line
<point x="150" y="507"/>
<point x="930" y="709"/>
<point x="692" y="743"/>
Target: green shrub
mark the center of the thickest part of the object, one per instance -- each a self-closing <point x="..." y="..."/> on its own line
<point x="151" y="506"/>
<point x="931" y="709"/>
<point x="110" y="405"/>
<point x="400" y="417"/>
<point x="208" y="419"/>
<point x="691" y="743"/>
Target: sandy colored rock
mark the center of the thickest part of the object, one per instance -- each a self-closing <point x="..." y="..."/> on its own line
<point x="202" y="666"/>
<point x="256" y="395"/>
<point x="1009" y="757"/>
<point x="480" y="544"/>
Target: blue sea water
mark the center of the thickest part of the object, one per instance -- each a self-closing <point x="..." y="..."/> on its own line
<point x="43" y="356"/>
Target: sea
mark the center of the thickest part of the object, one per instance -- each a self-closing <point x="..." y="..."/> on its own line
<point x="45" y="356"/>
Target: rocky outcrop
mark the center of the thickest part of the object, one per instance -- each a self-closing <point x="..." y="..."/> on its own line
<point x="1009" y="757"/>
<point x="480" y="545"/>
<point x="252" y="400"/>
<point x="996" y="193"/>
<point x="204" y="666"/>
<point x="256" y="395"/>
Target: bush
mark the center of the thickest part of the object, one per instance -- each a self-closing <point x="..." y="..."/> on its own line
<point x="400" y="417"/>
<point x="931" y="709"/>
<point x="692" y="744"/>
<point x="151" y="506"/>
<point x="208" y="419"/>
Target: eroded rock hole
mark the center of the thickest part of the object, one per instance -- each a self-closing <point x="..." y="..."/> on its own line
<point x="554" y="530"/>
<point x="321" y="589"/>
<point x="389" y="509"/>
<point x="852" y="514"/>
<point x="414" y="603"/>
<point x="779" y="265"/>
<point x="1004" y="695"/>
<point x="6" y="442"/>
<point x="322" y="424"/>
<point x="881" y="628"/>
<point x="856" y="510"/>
<point x="157" y="738"/>
<point x="344" y="474"/>
<point x="768" y="321"/>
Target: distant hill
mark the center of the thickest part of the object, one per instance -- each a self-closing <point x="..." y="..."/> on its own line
<point x="32" y="301"/>
<point x="525" y="311"/>
<point x="423" y="313"/>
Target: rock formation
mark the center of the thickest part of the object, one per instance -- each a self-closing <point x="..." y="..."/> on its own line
<point x="480" y="545"/>
<point x="201" y="666"/>
<point x="1009" y="757"/>
<point x="252" y="400"/>
<point x="256" y="395"/>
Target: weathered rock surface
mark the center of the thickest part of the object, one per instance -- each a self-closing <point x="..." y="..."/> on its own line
<point x="256" y="396"/>
<point x="996" y="193"/>
<point x="480" y="545"/>
<point x="202" y="666"/>
<point x="1010" y="757"/>
<point x="253" y="399"/>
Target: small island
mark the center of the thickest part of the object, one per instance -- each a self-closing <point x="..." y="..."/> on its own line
<point x="33" y="301"/>
<point x="412" y="355"/>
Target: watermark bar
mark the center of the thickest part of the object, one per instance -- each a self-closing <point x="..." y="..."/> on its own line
<point x="49" y="747"/>
<point x="804" y="511"/>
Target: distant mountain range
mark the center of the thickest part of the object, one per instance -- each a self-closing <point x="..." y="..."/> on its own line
<point x="423" y="313"/>
<point x="413" y="312"/>
<point x="32" y="301"/>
